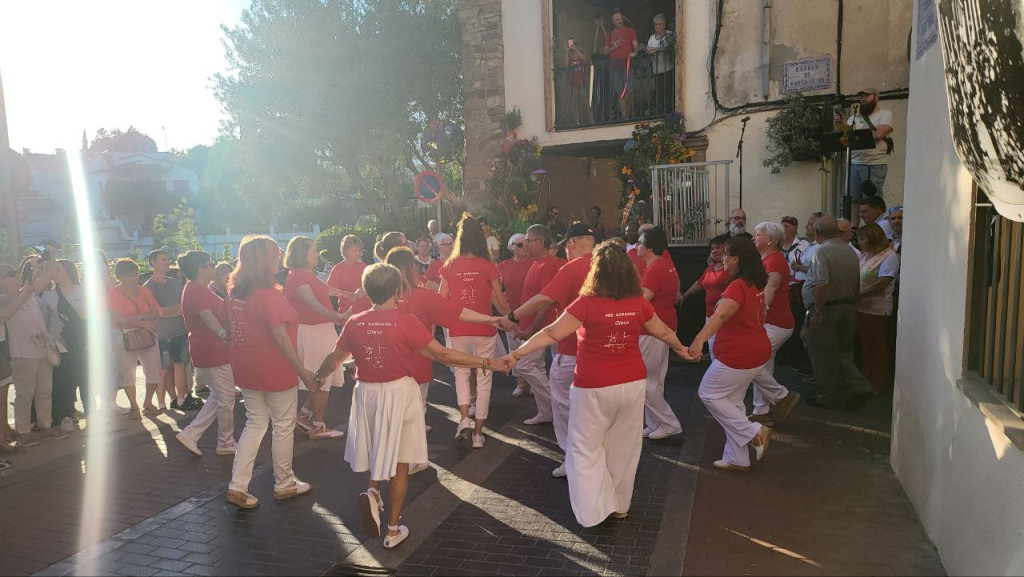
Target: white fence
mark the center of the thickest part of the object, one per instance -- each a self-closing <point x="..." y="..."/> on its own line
<point x="691" y="200"/>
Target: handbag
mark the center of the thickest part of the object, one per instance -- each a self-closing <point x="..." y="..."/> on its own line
<point x="138" y="338"/>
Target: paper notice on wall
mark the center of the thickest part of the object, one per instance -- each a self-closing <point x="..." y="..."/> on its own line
<point x="927" y="27"/>
<point x="807" y="75"/>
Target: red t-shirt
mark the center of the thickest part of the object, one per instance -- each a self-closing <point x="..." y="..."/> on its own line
<point x="384" y="344"/>
<point x="256" y="361"/>
<point x="346" y="277"/>
<point x="714" y="283"/>
<point x="204" y="346"/>
<point x="564" y="288"/>
<point x="513" y="275"/>
<point x="628" y="37"/>
<point x="639" y="263"/>
<point x="662" y="278"/>
<point x="321" y="291"/>
<point x="779" y="313"/>
<point x="609" y="353"/>
<point x="469" y="281"/>
<point x="433" y="271"/>
<point x="541" y="273"/>
<point x="741" y="343"/>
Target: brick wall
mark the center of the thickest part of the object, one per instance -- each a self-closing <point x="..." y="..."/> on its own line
<point x="484" y="90"/>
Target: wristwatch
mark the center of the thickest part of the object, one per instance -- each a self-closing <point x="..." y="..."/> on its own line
<point x="512" y="317"/>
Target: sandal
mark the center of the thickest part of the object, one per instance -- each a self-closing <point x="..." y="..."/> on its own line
<point x="134" y="414"/>
<point x="392" y="541"/>
<point x="151" y="411"/>
<point x="242" y="500"/>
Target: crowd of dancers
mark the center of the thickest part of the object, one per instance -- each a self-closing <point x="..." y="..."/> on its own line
<point x="588" y="336"/>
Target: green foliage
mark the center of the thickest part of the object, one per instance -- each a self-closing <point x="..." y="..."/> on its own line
<point x="328" y="98"/>
<point x="116" y="140"/>
<point x="330" y="239"/>
<point x="512" y="188"/>
<point x="225" y="253"/>
<point x="650" y="145"/>
<point x="793" y="134"/>
<point x="177" y="230"/>
<point x="143" y="262"/>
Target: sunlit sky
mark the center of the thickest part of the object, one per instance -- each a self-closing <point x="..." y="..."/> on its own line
<point x="73" y="65"/>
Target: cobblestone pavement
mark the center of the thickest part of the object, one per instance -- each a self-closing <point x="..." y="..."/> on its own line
<point x="823" y="502"/>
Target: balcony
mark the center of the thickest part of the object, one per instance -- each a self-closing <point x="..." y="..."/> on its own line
<point x="604" y="91"/>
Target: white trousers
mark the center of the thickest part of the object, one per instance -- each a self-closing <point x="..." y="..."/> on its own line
<point x="480" y="347"/>
<point x="33" y="384"/>
<point x="533" y="370"/>
<point x="657" y="413"/>
<point x="722" y="390"/>
<point x="605" y="426"/>
<point x="711" y="341"/>
<point x="768" y="391"/>
<point x="262" y="408"/>
<point x="560" y="381"/>
<point x="220" y="407"/>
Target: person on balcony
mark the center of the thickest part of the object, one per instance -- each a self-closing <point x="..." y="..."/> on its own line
<point x="661" y="51"/>
<point x="620" y="46"/>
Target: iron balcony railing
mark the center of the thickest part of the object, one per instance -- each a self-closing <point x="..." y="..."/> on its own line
<point x="606" y="91"/>
<point x="691" y="200"/>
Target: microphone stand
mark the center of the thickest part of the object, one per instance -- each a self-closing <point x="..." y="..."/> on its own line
<point x="739" y="155"/>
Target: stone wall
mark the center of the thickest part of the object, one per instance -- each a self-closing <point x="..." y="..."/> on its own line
<point x="484" y="90"/>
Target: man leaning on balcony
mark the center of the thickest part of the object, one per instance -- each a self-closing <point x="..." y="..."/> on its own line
<point x="620" y="46"/>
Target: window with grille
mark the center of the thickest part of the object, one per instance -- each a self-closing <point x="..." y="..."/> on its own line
<point x="995" y="351"/>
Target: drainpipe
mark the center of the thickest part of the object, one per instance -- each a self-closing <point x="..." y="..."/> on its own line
<point x="766" y="34"/>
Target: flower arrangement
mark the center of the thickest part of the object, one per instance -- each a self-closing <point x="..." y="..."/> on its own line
<point x="512" y="185"/>
<point x="650" y="145"/>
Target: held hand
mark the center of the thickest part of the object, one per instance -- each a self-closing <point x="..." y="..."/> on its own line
<point x="502" y="365"/>
<point x="693" y="353"/>
<point x="309" y="379"/>
<point x="349" y="296"/>
<point x="340" y="319"/>
<point x="504" y="324"/>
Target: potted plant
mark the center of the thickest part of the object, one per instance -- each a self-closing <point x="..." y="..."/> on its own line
<point x="794" y="134"/>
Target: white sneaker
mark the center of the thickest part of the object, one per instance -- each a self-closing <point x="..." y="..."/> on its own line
<point x="413" y="469"/>
<point x="559" y="471"/>
<point x="465" y="426"/>
<point x="322" y="432"/>
<point x="661" y="433"/>
<point x="537" y="420"/>
<point x="647" y="432"/>
<point x="521" y="389"/>
<point x="478" y="441"/>
<point x="67" y="425"/>
<point x="189" y="444"/>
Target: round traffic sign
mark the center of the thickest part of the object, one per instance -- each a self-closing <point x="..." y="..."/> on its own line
<point x="428" y="186"/>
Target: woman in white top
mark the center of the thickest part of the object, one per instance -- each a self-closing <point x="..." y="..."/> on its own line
<point x="879" y="267"/>
<point x="32" y="371"/>
<point x="661" y="50"/>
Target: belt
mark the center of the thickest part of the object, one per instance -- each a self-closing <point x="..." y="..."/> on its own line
<point x="846" y="301"/>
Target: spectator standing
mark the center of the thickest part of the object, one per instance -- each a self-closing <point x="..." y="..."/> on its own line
<point x="879" y="268"/>
<point x="219" y="286"/>
<point x="444" y="243"/>
<point x="738" y="223"/>
<point x="171" y="334"/>
<point x="835" y="287"/>
<point x="266" y="366"/>
<point x="870" y="165"/>
<point x="846" y="234"/>
<point x="423" y="258"/>
<point x="741" y="348"/>
<point x="206" y="321"/>
<point x="620" y="47"/>
<point x="134" y="310"/>
<point x="317" y="318"/>
<point x="513" y="276"/>
<point x="659" y="285"/>
<point x="554" y="223"/>
<point x="65" y="306"/>
<point x="607" y="396"/>
<point x="873" y="211"/>
<point x="469" y="278"/>
<point x="594" y="221"/>
<point x="661" y="50"/>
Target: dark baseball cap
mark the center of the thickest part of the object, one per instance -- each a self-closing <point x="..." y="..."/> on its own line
<point x="578" y="229"/>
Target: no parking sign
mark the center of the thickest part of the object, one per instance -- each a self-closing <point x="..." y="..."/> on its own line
<point x="428" y="186"/>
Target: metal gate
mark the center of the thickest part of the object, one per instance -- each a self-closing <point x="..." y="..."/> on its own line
<point x="691" y="200"/>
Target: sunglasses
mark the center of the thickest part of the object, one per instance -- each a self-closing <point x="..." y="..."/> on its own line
<point x="895" y="208"/>
<point x="519" y="244"/>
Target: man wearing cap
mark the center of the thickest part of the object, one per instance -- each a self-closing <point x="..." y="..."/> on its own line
<point x="870" y="165"/>
<point x="561" y="291"/>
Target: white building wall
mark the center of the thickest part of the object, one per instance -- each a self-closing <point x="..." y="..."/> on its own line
<point x="962" y="474"/>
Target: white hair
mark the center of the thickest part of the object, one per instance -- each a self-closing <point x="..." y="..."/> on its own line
<point x="443" y="236"/>
<point x="774" y="230"/>
<point x="517" y="237"/>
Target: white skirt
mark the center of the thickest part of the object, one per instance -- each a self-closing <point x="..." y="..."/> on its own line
<point x="315" y="342"/>
<point x="386" y="427"/>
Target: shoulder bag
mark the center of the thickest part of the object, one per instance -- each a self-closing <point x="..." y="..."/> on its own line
<point x="138" y="338"/>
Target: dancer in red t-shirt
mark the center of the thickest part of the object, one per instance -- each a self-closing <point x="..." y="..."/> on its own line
<point x="385" y="427"/>
<point x="772" y="401"/>
<point x="712" y="281"/>
<point x="741" y="349"/>
<point x="513" y="275"/>
<point x="470" y="278"/>
<point x="347" y="274"/>
<point x="607" y="395"/>
<point x="311" y="298"/>
<point x="533" y="367"/>
<point x="660" y="284"/>
<point x="266" y="367"/>
<point x="207" y="321"/>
